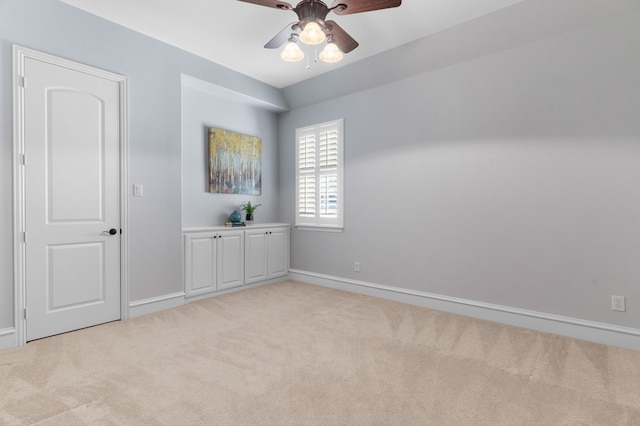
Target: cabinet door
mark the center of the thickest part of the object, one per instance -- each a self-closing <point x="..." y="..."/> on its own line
<point x="255" y="256"/>
<point x="278" y="253"/>
<point x="200" y="264"/>
<point x="230" y="259"/>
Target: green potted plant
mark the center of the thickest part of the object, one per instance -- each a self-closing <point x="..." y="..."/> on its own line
<point x="250" y="208"/>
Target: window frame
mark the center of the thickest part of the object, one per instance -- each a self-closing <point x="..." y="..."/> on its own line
<point x="319" y="222"/>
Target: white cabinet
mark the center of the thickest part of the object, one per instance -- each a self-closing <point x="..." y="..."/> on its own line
<point x="218" y="258"/>
<point x="214" y="260"/>
<point x="266" y="253"/>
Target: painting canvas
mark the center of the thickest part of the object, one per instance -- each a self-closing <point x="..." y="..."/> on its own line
<point x="235" y="163"/>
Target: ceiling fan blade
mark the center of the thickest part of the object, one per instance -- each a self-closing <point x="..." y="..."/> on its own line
<point x="344" y="41"/>
<point x="346" y="7"/>
<point x="271" y="3"/>
<point x="283" y="36"/>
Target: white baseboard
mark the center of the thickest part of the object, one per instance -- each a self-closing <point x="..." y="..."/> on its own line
<point x="8" y="338"/>
<point x="155" y="304"/>
<point x="168" y="301"/>
<point x="607" y="334"/>
<point x="235" y="289"/>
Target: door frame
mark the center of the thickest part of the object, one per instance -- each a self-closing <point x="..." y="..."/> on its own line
<point x="19" y="254"/>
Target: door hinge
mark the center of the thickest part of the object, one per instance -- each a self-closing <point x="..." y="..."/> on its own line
<point x="25" y="313"/>
<point x="24" y="159"/>
<point x="24" y="236"/>
<point x="22" y="81"/>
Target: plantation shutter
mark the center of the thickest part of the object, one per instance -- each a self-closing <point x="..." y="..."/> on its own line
<point x="307" y="160"/>
<point x="328" y="172"/>
<point x="319" y="175"/>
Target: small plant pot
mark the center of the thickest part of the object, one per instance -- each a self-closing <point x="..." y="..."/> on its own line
<point x="249" y="217"/>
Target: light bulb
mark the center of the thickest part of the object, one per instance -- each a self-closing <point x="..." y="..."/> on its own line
<point x="331" y="53"/>
<point x="292" y="52"/>
<point x="312" y="34"/>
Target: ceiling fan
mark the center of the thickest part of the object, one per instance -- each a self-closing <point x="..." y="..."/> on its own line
<point x="311" y="27"/>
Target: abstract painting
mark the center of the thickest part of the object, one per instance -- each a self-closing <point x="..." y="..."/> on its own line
<point x="235" y="163"/>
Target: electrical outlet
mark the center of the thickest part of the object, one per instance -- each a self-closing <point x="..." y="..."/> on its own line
<point x="356" y="266"/>
<point x="618" y="303"/>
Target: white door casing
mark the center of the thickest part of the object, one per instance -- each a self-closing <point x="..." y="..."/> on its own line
<point x="69" y="186"/>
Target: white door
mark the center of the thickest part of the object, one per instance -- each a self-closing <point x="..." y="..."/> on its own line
<point x="72" y="192"/>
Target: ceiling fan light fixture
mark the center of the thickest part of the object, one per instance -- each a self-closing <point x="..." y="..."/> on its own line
<point x="312" y="34"/>
<point x="292" y="52"/>
<point x="331" y="53"/>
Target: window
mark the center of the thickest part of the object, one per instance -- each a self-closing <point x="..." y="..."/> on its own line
<point x="319" y="176"/>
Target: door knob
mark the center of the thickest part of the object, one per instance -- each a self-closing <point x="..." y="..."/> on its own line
<point x="112" y="231"/>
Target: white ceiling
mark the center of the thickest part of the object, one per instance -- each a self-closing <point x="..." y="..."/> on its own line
<point x="232" y="33"/>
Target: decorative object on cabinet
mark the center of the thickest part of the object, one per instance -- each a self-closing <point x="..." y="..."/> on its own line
<point x="250" y="209"/>
<point x="235" y="217"/>
<point x="235" y="163"/>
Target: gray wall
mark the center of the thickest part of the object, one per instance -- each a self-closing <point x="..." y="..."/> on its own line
<point x="154" y="71"/>
<point x="508" y="178"/>
<point x="202" y="109"/>
<point x="495" y="161"/>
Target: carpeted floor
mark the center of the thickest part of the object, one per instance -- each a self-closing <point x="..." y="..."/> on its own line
<point x="297" y="354"/>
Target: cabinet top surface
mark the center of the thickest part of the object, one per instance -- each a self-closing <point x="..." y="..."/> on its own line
<point x="235" y="228"/>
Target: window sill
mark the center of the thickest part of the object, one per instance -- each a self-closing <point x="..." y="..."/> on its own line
<point x="319" y="228"/>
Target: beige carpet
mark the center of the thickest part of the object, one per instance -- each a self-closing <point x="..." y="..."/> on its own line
<point x="297" y="354"/>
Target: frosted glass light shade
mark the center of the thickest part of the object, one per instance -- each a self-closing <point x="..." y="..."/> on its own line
<point x="292" y="52"/>
<point x="312" y="34"/>
<point x="331" y="53"/>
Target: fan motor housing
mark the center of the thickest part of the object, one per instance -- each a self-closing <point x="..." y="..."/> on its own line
<point x="316" y="11"/>
<point x="311" y="11"/>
